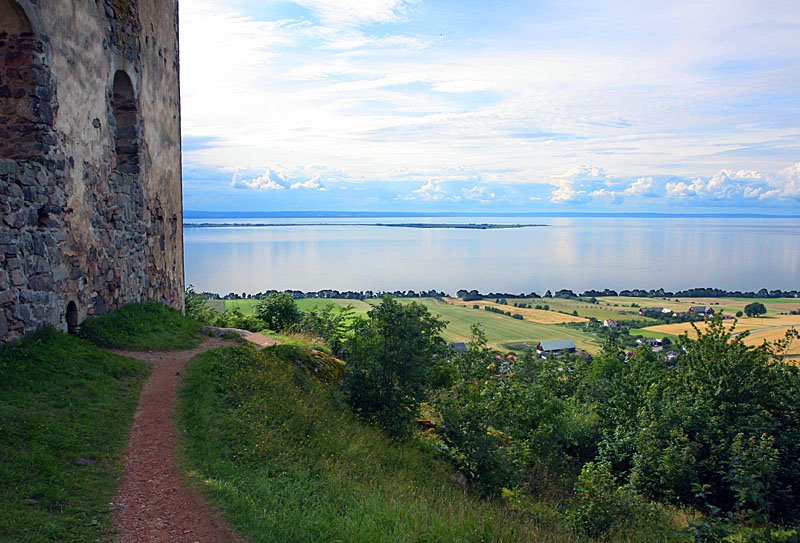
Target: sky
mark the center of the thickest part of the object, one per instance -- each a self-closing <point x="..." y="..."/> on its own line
<point x="500" y="106"/>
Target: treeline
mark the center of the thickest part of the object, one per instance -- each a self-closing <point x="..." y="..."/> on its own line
<point x="471" y="295"/>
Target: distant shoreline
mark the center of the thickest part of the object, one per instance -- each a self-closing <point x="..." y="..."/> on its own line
<point x="198" y="214"/>
<point x="464" y="226"/>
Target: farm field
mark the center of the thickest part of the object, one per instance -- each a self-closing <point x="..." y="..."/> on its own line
<point x="538" y="316"/>
<point x="743" y="324"/>
<point x="600" y="311"/>
<point x="726" y="305"/>
<point x="500" y="330"/>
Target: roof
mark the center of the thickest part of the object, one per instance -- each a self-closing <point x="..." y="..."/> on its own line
<point x="459" y="347"/>
<point x="557" y="345"/>
<point x="702" y="309"/>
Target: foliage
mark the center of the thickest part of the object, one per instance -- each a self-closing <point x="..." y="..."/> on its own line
<point x="725" y="416"/>
<point x="234" y="318"/>
<point x="278" y="310"/>
<point x="285" y="461"/>
<point x="391" y="356"/>
<point x="196" y="307"/>
<point x="755" y="309"/>
<point x="143" y="327"/>
<point x="331" y="324"/>
<point x="61" y="400"/>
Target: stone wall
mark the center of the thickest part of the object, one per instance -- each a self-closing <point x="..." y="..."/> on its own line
<point x="77" y="224"/>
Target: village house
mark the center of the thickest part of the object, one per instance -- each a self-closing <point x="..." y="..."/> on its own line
<point x="654" y="343"/>
<point x="702" y="310"/>
<point x="557" y="347"/>
<point x="611" y="323"/>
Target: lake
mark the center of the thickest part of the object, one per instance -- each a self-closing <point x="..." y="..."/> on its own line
<point x="577" y="253"/>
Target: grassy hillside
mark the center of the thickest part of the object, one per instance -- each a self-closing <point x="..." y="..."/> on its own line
<point x="287" y="462"/>
<point x="143" y="327"/>
<point x="65" y="410"/>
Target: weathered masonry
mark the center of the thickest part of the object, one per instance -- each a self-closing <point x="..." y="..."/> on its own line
<point x="90" y="172"/>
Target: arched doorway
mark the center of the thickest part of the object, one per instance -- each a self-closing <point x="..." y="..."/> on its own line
<point x="73" y="319"/>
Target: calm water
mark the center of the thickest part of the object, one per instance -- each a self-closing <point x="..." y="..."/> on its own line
<point x="575" y="253"/>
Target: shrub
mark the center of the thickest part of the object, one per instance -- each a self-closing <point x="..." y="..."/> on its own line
<point x="278" y="311"/>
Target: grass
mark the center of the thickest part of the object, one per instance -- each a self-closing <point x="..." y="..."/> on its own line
<point x="500" y="329"/>
<point x="286" y="462"/>
<point x="62" y="399"/>
<point x="539" y="316"/>
<point x="143" y="327"/>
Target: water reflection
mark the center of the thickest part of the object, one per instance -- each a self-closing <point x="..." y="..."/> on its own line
<point x="575" y="253"/>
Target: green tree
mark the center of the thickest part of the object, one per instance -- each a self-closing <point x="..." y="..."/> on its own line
<point x="197" y="308"/>
<point x="278" y="311"/>
<point x="390" y="357"/>
<point x="755" y="309"/>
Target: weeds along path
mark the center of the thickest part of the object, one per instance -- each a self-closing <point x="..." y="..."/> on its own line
<point x="155" y="503"/>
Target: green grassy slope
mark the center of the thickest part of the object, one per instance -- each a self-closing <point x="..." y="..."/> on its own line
<point x="143" y="327"/>
<point x="288" y="463"/>
<point x="62" y="400"/>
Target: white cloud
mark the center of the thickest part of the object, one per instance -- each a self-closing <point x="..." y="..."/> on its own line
<point x="572" y="185"/>
<point x="432" y="191"/>
<point x="269" y="180"/>
<point x="643" y="186"/>
<point x="724" y="185"/>
<point x="312" y="183"/>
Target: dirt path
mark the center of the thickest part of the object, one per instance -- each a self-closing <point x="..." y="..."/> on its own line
<point x="154" y="503"/>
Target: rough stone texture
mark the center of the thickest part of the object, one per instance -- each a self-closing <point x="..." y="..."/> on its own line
<point x="77" y="224"/>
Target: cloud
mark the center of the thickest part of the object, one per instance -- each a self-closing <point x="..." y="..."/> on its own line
<point x="269" y="180"/>
<point x="312" y="183"/>
<point x="573" y="185"/>
<point x="724" y="185"/>
<point x="432" y="191"/>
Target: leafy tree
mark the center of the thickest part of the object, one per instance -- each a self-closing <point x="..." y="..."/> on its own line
<point x="755" y="309"/>
<point x="197" y="308"/>
<point x="329" y="324"/>
<point x="390" y="356"/>
<point x="278" y="311"/>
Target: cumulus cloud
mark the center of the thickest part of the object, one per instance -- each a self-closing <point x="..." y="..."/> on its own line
<point x="312" y="183"/>
<point x="574" y="184"/>
<point x="725" y="185"/>
<point x="432" y="191"/>
<point x="276" y="179"/>
<point x="269" y="180"/>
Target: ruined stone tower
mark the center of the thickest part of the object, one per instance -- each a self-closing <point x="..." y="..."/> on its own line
<point x="90" y="172"/>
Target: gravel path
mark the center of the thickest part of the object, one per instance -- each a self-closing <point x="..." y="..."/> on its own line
<point x="155" y="504"/>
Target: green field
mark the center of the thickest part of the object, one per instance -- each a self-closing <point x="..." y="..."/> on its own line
<point x="726" y="305"/>
<point x="601" y="310"/>
<point x="499" y="329"/>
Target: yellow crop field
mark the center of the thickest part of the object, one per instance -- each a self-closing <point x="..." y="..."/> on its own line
<point x="538" y="316"/>
<point x="758" y="337"/>
<point x="743" y="324"/>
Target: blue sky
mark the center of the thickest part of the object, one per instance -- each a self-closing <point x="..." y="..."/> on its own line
<point x="519" y="106"/>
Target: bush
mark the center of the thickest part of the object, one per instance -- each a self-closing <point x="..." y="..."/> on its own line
<point x="390" y="358"/>
<point x="278" y="311"/>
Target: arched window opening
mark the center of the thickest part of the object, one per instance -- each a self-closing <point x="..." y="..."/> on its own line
<point x="126" y="117"/>
<point x="21" y="114"/>
<point x="73" y="323"/>
<point x="13" y="20"/>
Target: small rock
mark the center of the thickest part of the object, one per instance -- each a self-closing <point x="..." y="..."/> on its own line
<point x="87" y="461"/>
